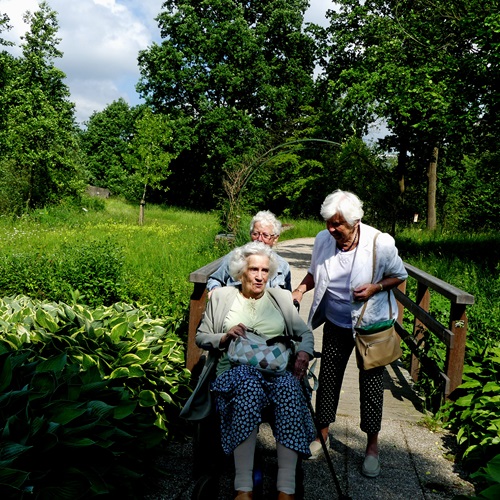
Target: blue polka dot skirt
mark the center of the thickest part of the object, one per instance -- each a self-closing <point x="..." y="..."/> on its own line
<point x="243" y="392"/>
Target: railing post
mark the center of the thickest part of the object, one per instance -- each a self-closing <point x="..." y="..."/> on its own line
<point x="455" y="355"/>
<point x="196" y="309"/>
<point x="401" y="307"/>
<point x="423" y="300"/>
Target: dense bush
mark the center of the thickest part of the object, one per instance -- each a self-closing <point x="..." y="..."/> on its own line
<point x="84" y="397"/>
<point x="93" y="268"/>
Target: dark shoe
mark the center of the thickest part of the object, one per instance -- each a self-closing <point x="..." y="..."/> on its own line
<point x="371" y="466"/>
<point x="244" y="495"/>
<point x="285" y="496"/>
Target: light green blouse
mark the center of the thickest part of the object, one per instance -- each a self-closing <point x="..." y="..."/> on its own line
<point x="259" y="314"/>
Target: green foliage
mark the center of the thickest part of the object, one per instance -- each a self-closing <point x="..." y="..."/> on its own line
<point x="241" y="72"/>
<point x="490" y="477"/>
<point x="426" y="69"/>
<point x="93" y="268"/>
<point x="105" y="142"/>
<point x="474" y="414"/>
<point x="85" y="397"/>
<point x="53" y="252"/>
<point x="38" y="146"/>
<point x="469" y="262"/>
<point x="151" y="150"/>
<point x="479" y="178"/>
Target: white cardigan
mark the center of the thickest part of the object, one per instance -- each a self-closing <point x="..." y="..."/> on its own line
<point x="388" y="264"/>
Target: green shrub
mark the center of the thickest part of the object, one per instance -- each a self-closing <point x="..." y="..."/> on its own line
<point x="93" y="268"/>
<point x="85" y="395"/>
<point x="489" y="479"/>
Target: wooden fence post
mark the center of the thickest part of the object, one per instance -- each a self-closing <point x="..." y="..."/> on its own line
<point x="422" y="300"/>
<point x="455" y="355"/>
<point x="196" y="309"/>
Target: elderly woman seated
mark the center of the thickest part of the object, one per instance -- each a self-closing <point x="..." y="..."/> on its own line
<point x="243" y="391"/>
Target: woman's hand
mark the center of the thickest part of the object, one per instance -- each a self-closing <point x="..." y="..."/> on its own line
<point x="301" y="364"/>
<point x="236" y="331"/>
<point x="364" y="292"/>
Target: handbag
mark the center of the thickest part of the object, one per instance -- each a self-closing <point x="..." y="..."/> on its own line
<point x="270" y="356"/>
<point x="377" y="344"/>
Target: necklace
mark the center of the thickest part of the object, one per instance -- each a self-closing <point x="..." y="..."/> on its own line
<point x="352" y="242"/>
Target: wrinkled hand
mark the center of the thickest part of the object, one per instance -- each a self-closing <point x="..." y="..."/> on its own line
<point x="364" y="292"/>
<point x="301" y="364"/>
<point x="236" y="331"/>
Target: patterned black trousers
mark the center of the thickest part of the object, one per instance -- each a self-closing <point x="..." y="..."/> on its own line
<point x="338" y="344"/>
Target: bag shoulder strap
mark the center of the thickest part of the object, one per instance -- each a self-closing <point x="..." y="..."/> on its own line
<point x="374" y="262"/>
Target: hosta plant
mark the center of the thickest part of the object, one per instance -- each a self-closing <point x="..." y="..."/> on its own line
<point x="85" y="395"/>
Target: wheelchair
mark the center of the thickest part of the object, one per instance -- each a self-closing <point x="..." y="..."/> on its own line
<point x="211" y="464"/>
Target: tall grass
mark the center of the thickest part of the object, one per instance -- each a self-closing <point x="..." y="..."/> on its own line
<point x="157" y="257"/>
<point x="470" y="262"/>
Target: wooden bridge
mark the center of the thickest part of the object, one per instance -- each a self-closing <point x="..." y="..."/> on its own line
<point x="453" y="335"/>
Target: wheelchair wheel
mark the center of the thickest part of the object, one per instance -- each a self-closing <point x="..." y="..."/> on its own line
<point x="205" y="488"/>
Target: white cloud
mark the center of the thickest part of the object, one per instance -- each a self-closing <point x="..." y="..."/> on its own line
<point x="101" y="40"/>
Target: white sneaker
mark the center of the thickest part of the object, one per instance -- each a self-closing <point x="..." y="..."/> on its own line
<point x="316" y="450"/>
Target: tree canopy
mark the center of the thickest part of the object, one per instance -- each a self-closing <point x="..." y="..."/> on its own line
<point x="245" y="102"/>
<point x="242" y="71"/>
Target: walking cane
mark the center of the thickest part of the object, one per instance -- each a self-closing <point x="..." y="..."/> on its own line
<point x="340" y="493"/>
<point x="305" y="389"/>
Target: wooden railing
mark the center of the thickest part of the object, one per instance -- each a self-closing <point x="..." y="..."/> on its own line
<point x="196" y="307"/>
<point x="453" y="335"/>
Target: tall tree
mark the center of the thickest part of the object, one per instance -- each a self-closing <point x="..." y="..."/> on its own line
<point x="413" y="63"/>
<point x="152" y="149"/>
<point x="105" y="143"/>
<point x="241" y="70"/>
<point x="38" y="141"/>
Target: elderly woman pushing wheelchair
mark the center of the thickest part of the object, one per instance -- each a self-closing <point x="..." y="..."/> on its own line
<point x="243" y="391"/>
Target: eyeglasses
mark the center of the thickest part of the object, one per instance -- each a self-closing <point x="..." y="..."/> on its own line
<point x="265" y="236"/>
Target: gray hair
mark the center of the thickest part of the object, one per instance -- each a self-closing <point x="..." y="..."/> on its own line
<point x="266" y="218"/>
<point x="238" y="262"/>
<point x="343" y="203"/>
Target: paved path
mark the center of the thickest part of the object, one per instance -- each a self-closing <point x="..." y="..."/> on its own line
<point x="413" y="458"/>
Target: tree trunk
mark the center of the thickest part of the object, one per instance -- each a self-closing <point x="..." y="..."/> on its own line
<point x="431" y="190"/>
<point x="400" y="173"/>
<point x="141" y="208"/>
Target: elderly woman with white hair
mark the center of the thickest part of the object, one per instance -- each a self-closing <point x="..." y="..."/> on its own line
<point x="266" y="228"/>
<point x="341" y="276"/>
<point x="243" y="391"/>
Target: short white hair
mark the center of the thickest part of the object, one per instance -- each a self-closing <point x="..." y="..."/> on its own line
<point x="238" y="258"/>
<point x="266" y="218"/>
<point x="343" y="203"/>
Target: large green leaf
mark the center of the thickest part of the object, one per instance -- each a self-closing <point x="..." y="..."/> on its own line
<point x="63" y="412"/>
<point x="147" y="398"/>
<point x="13" y="477"/>
<point x="465" y="400"/>
<point x="118" y="331"/>
<point x="45" y="320"/>
<point x="42" y="385"/>
<point x="11" y="451"/>
<point x="54" y="364"/>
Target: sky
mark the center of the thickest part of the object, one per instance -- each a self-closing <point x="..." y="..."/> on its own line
<point x="100" y="40"/>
